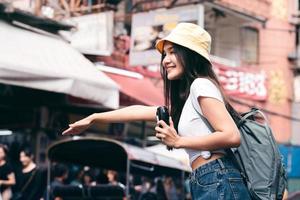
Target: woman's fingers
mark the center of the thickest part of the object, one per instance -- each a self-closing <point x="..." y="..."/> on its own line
<point x="171" y="122"/>
<point x="160" y="136"/>
<point x="77" y="127"/>
<point x="162" y="123"/>
<point x="68" y="131"/>
<point x="71" y="130"/>
<point x="159" y="129"/>
<point x="72" y="125"/>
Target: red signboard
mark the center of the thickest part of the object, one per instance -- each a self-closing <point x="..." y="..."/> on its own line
<point x="241" y="82"/>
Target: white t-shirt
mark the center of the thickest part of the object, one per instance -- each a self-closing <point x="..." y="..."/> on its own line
<point x="190" y="122"/>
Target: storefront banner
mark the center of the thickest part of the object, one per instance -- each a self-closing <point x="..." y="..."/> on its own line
<point x="93" y="34"/>
<point x="148" y="27"/>
<point x="242" y="82"/>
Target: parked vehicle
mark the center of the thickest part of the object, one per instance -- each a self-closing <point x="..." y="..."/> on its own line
<point x="110" y="154"/>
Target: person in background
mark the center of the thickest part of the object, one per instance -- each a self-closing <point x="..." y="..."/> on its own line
<point x="88" y="178"/>
<point x="113" y="178"/>
<point x="202" y="119"/>
<point x="159" y="189"/>
<point x="31" y="181"/>
<point x="7" y="176"/>
<point x="77" y="181"/>
<point x="60" y="174"/>
<point x="170" y="189"/>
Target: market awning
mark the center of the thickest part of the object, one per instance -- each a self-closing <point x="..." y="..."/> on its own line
<point x="43" y="62"/>
<point x="142" y="90"/>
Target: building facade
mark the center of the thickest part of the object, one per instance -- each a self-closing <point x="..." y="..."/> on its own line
<point x="256" y="36"/>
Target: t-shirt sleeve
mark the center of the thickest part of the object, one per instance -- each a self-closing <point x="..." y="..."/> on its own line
<point x="202" y="87"/>
<point x="8" y="169"/>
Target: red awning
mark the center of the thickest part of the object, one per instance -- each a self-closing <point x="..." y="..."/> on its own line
<point x="139" y="90"/>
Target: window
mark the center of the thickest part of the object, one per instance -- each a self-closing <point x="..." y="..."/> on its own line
<point x="249" y="43"/>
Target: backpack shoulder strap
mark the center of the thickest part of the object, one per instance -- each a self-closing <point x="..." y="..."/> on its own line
<point x="251" y="113"/>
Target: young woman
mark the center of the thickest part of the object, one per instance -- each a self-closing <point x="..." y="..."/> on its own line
<point x="7" y="176"/>
<point x="191" y="89"/>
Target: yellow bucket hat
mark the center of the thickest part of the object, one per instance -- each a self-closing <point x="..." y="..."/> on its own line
<point x="189" y="35"/>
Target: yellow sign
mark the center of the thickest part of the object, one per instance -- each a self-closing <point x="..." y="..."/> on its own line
<point x="277" y="87"/>
<point x="279" y="9"/>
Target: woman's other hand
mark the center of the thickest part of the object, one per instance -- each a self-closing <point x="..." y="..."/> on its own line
<point x="167" y="134"/>
<point x="79" y="126"/>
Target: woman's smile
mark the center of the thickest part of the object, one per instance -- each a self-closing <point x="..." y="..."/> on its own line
<point x="171" y="64"/>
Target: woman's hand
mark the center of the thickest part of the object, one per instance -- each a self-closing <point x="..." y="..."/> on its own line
<point x="167" y="134"/>
<point x="79" y="126"/>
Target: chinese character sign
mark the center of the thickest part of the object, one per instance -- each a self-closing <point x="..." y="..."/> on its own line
<point x="242" y="83"/>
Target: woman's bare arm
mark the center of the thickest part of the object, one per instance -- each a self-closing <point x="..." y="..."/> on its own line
<point x="226" y="132"/>
<point x="11" y="180"/>
<point x="127" y="114"/>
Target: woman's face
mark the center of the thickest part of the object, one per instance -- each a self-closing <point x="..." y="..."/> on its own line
<point x="2" y="154"/>
<point x="25" y="160"/>
<point x="170" y="62"/>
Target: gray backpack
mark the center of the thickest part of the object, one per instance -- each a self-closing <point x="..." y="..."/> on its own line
<point x="258" y="158"/>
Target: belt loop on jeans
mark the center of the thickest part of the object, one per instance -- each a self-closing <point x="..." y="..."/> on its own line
<point x="221" y="163"/>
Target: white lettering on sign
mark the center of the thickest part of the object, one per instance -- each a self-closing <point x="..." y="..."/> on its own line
<point x="246" y="84"/>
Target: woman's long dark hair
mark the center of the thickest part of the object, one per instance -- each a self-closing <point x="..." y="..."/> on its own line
<point x="177" y="91"/>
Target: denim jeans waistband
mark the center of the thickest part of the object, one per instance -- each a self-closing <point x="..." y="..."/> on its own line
<point x="220" y="163"/>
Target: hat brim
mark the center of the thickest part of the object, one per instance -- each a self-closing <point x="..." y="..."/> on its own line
<point x="160" y="47"/>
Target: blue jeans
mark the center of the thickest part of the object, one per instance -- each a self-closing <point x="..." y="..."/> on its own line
<point x="218" y="180"/>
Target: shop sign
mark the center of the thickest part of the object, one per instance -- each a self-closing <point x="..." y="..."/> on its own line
<point x="93" y="34"/>
<point x="241" y="82"/>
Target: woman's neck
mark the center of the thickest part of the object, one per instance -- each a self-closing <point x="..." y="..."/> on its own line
<point x="29" y="167"/>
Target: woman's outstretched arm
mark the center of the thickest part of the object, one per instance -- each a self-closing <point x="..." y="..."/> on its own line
<point x="127" y="114"/>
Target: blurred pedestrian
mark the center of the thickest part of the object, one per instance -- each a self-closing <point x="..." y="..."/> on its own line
<point x="159" y="189"/>
<point x="170" y="189"/>
<point x="31" y="180"/>
<point x="7" y="176"/>
<point x="113" y="178"/>
<point x="77" y="181"/>
<point x="88" y="178"/>
<point x="60" y="175"/>
<point x="192" y="92"/>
